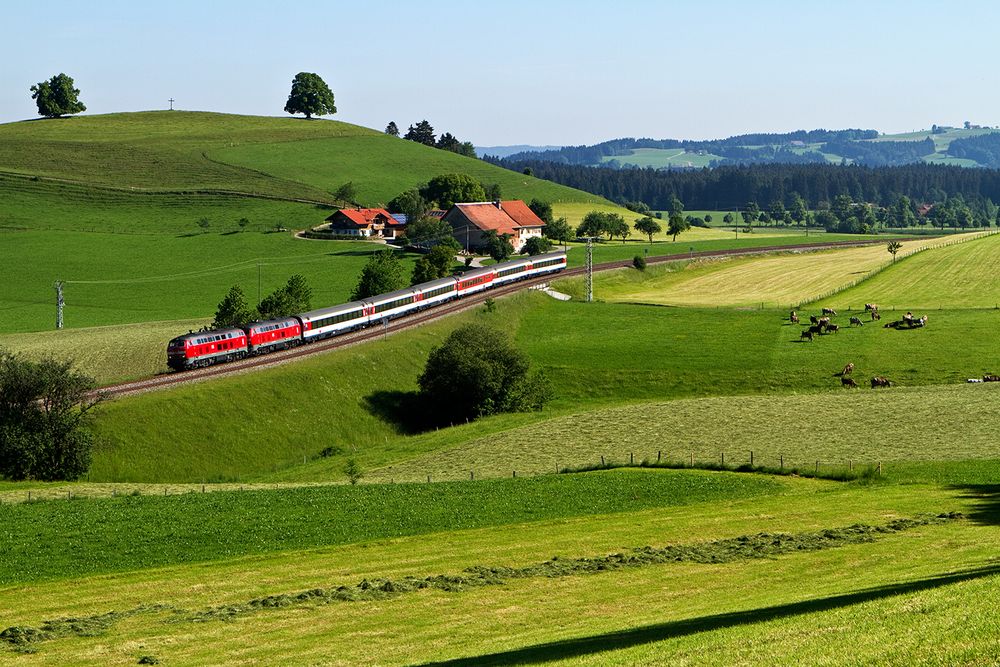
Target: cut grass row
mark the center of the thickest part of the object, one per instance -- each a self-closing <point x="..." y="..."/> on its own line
<point x="836" y="430"/>
<point x="44" y="540"/>
<point x="528" y="614"/>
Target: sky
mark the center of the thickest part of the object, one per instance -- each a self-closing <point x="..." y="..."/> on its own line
<point x="524" y="72"/>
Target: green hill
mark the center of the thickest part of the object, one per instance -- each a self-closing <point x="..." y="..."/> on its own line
<point x="278" y="157"/>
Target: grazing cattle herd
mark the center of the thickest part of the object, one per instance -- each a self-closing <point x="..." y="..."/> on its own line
<point x="822" y="324"/>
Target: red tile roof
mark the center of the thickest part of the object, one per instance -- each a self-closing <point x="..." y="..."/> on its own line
<point x="363" y="217"/>
<point x="521" y="214"/>
<point x="510" y="216"/>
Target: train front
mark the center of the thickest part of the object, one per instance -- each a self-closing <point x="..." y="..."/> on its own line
<point x="177" y="357"/>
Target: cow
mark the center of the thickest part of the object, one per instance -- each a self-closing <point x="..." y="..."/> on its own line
<point x="793" y="318"/>
<point x="871" y="306"/>
<point x="879" y="381"/>
<point x="808" y="335"/>
<point x="856" y="321"/>
<point x="829" y="311"/>
<point x="823" y="321"/>
<point x="892" y="325"/>
<point x="848" y="382"/>
<point x="989" y="377"/>
<point x="816" y="329"/>
<point x="813" y="319"/>
<point x="832" y="328"/>
<point x="876" y="315"/>
<point x="848" y="369"/>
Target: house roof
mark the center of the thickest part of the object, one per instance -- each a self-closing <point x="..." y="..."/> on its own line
<point x="521" y="214"/>
<point x="506" y="218"/>
<point x="362" y="217"/>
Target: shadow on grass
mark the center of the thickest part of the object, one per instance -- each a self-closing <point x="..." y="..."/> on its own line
<point x="986" y="502"/>
<point x="583" y="646"/>
<point x="402" y="409"/>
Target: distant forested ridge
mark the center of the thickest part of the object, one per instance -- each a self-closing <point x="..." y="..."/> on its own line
<point x="732" y="187"/>
<point x="984" y="149"/>
<point x="881" y="153"/>
<point x="736" y="147"/>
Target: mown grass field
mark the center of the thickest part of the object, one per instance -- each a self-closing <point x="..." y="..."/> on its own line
<point x="770" y="281"/>
<point x="718" y="613"/>
<point x="664" y="157"/>
<point x="961" y="276"/>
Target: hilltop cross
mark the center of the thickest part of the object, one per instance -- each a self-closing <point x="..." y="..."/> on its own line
<point x="171" y="104"/>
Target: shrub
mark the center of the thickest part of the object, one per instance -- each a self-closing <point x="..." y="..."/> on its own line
<point x="639" y="262"/>
<point x="353" y="471"/>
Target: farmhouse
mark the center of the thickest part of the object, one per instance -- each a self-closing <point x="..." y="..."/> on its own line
<point x="469" y="222"/>
<point x="366" y="222"/>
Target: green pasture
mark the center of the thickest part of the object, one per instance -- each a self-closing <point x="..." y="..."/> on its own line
<point x="914" y="581"/>
<point x="659" y="158"/>
<point x="45" y="205"/>
<point x="958" y="276"/>
<point x="772" y="280"/>
<point x="125" y="278"/>
<point x="196" y="527"/>
<point x="837" y="430"/>
<point x="595" y="354"/>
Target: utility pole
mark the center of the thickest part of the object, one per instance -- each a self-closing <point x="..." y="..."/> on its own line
<point x="171" y="103"/>
<point x="60" y="302"/>
<point x="590" y="269"/>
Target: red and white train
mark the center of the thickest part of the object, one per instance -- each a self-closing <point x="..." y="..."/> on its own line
<point x="204" y="348"/>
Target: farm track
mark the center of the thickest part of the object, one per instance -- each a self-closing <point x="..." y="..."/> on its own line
<point x="166" y="380"/>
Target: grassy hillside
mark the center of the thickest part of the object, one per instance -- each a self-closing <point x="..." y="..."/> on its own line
<point x="283" y="157"/>
<point x="962" y="276"/>
<point x="773" y="280"/>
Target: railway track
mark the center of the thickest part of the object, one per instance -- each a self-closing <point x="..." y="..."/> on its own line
<point x="166" y="380"/>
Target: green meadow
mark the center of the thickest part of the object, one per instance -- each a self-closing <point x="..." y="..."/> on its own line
<point x="460" y="545"/>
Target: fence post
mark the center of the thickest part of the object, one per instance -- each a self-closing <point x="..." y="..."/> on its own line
<point x="879" y="468"/>
<point x="658" y="453"/>
<point x="428" y="479"/>
<point x="850" y="465"/>
<point x="514" y="474"/>
<point x="781" y="459"/>
<point x="817" y="467"/>
<point x="751" y="458"/>
<point x="692" y="459"/>
<point x="631" y="458"/>
<point x="602" y="460"/>
<point x="472" y="475"/>
<point x="723" y="459"/>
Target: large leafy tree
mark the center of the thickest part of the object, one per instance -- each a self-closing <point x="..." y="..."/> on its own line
<point x="233" y="309"/>
<point x="294" y="297"/>
<point x="648" y="226"/>
<point x="498" y="245"/>
<point x="391" y="129"/>
<point x="428" y="231"/>
<point x="537" y="245"/>
<point x="57" y="97"/>
<point x="410" y="202"/>
<point x="422" y="133"/>
<point x="558" y="230"/>
<point x="542" y="209"/>
<point x="435" y="264"/>
<point x="447" y="189"/>
<point x="477" y="372"/>
<point x="44" y="409"/>
<point x="310" y="95"/>
<point x="383" y="273"/>
<point x="677" y="224"/>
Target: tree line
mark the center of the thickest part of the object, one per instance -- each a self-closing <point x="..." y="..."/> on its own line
<point x="730" y="188"/>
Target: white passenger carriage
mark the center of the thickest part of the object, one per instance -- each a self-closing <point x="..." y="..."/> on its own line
<point x="326" y="322"/>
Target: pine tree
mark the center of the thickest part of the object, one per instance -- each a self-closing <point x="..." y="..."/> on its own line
<point x="233" y="310"/>
<point x="391" y="129"/>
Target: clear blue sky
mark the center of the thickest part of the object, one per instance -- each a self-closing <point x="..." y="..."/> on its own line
<point x="540" y="72"/>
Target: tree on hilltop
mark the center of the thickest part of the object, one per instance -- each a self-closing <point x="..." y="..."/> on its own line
<point x="391" y="129"/>
<point x="422" y="133"/>
<point x="310" y="95"/>
<point x="57" y="97"/>
<point x="447" y="189"/>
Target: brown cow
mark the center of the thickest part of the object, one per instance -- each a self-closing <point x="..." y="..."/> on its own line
<point x="856" y="321"/>
<point x="813" y="319"/>
<point x="876" y="315"/>
<point x="848" y="382"/>
<point x="793" y="318"/>
<point x="829" y="311"/>
<point x="989" y="377"/>
<point x="871" y="306"/>
<point x="817" y="329"/>
<point x="879" y="381"/>
<point x="832" y="328"/>
<point x="848" y="369"/>
<point x="808" y="335"/>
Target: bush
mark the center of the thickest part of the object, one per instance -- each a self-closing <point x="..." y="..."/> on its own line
<point x="477" y="372"/>
<point x="537" y="245"/>
<point x="639" y="262"/>
<point x="44" y="408"/>
<point x="353" y="471"/>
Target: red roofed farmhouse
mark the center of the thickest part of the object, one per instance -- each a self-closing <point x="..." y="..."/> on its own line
<point x="365" y="223"/>
<point x="470" y="221"/>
